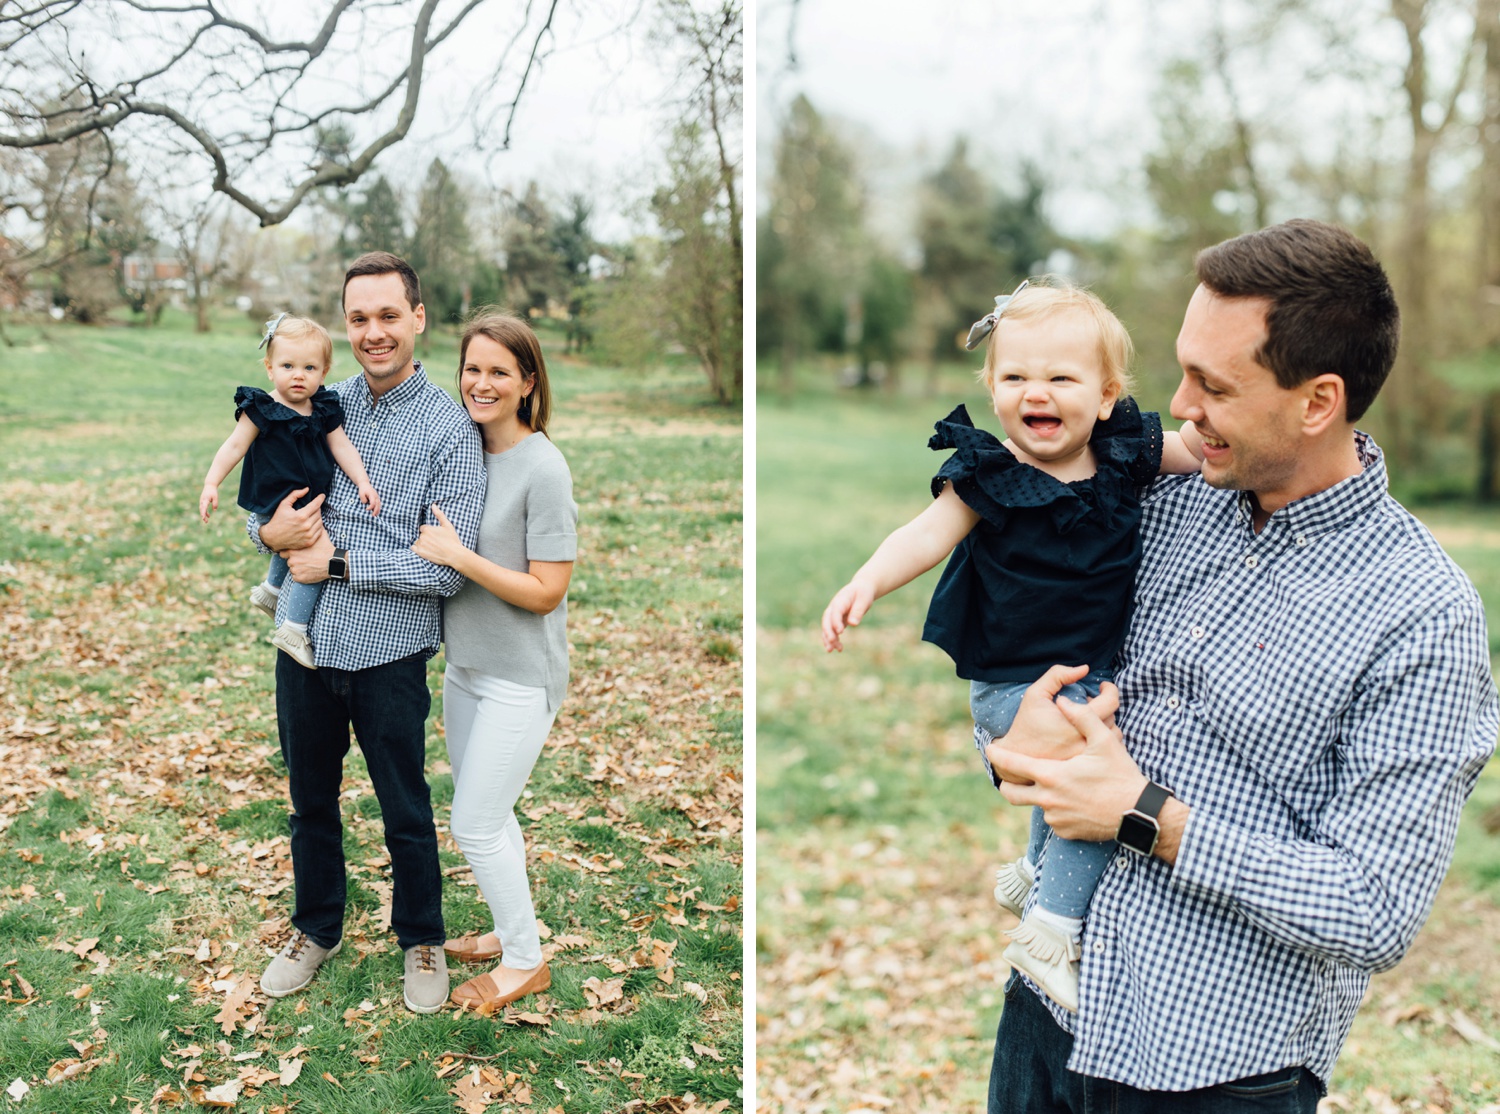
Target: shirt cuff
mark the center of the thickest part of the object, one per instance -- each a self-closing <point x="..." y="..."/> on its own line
<point x="982" y="739"/>
<point x="1209" y="858"/>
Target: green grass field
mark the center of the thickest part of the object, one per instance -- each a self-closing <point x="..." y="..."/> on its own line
<point x="878" y="945"/>
<point x="144" y="867"/>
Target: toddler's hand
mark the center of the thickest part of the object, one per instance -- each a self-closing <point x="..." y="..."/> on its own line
<point x="208" y="502"/>
<point x="370" y="497"/>
<point x="846" y="609"/>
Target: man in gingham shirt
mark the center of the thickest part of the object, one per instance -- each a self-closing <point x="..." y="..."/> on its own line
<point x="379" y="620"/>
<point x="1306" y="673"/>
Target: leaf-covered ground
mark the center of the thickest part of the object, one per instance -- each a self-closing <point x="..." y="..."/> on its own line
<point x="144" y="866"/>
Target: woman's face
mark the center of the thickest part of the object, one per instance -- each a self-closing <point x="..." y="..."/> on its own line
<point x="491" y="382"/>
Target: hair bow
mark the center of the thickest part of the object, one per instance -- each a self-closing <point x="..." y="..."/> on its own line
<point x="986" y="324"/>
<point x="278" y="319"/>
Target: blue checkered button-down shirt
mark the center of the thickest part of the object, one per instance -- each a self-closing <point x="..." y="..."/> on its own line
<point x="420" y="448"/>
<point x="1320" y="696"/>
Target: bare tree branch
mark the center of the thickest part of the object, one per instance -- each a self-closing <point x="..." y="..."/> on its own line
<point x="189" y="80"/>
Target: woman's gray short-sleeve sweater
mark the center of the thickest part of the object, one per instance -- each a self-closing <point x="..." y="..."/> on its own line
<point x="529" y="515"/>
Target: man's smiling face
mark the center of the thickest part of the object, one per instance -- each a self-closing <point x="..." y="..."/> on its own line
<point x="1249" y="424"/>
<point x="382" y="327"/>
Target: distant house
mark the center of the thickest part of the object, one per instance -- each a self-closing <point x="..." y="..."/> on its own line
<point x="142" y="271"/>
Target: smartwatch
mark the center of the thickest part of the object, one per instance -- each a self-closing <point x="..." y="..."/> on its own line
<point x="338" y="565"/>
<point x="1140" y="827"/>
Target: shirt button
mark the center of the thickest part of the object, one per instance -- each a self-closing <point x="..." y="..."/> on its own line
<point x="1173" y="703"/>
<point x="1197" y="632"/>
<point x="1122" y="862"/>
<point x="1099" y="947"/>
<point x="1300" y="539"/>
<point x="1251" y="560"/>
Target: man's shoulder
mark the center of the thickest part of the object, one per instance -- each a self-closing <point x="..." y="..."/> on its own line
<point x="1408" y="552"/>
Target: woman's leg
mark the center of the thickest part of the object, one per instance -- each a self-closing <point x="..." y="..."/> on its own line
<point x="509" y="726"/>
<point x="460" y="705"/>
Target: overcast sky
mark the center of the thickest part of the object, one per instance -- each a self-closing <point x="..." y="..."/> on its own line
<point x="1026" y="79"/>
<point x="1071" y="85"/>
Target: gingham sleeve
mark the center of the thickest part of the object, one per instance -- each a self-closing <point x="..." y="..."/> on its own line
<point x="458" y="488"/>
<point x="1356" y="890"/>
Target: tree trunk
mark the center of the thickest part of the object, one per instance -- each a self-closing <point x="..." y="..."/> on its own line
<point x="1489" y="441"/>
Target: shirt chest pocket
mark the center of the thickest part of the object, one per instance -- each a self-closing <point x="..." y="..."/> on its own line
<point x="1274" y="699"/>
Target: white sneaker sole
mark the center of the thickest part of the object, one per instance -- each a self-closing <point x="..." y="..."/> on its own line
<point x="269" y="993"/>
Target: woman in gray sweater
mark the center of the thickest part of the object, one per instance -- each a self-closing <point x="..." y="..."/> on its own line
<point x="505" y="640"/>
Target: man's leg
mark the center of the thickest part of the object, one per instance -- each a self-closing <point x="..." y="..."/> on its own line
<point x="314" y="728"/>
<point x="389" y="706"/>
<point x="1030" y="1072"/>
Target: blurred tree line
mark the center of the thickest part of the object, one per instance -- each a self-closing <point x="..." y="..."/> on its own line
<point x="1388" y="124"/>
<point x="90" y="227"/>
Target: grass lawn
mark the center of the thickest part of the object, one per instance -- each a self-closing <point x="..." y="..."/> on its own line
<point x="144" y="863"/>
<point x="878" y="945"/>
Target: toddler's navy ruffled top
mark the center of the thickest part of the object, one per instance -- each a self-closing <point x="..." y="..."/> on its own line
<point x="1047" y="577"/>
<point x="290" y="451"/>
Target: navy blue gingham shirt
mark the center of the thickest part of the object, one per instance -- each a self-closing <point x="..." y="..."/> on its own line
<point x="1320" y="695"/>
<point x="420" y="448"/>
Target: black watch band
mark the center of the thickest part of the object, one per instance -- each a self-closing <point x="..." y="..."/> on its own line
<point x="338" y="565"/>
<point x="1139" y="828"/>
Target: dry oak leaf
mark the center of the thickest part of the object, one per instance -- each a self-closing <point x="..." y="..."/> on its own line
<point x="236" y="1003"/>
<point x="601" y="992"/>
<point x="290" y="1070"/>
<point x="474" y="1092"/>
<point x="223" y="1096"/>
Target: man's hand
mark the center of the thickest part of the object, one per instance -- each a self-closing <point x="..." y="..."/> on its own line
<point x="1040" y="729"/>
<point x="290" y="528"/>
<point x="310" y="565"/>
<point x="1084" y="796"/>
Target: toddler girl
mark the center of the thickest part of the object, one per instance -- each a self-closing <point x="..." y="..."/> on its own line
<point x="289" y="439"/>
<point x="1043" y="533"/>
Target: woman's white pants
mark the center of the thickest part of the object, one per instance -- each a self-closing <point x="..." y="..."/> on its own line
<point x="495" y="732"/>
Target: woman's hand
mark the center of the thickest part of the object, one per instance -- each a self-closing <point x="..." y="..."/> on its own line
<point x="440" y="544"/>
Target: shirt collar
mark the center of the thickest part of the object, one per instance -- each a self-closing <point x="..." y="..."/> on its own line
<point x="1333" y="506"/>
<point x="407" y="389"/>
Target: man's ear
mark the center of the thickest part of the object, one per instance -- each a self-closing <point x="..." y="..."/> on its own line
<point x="420" y="313"/>
<point x="1325" y="401"/>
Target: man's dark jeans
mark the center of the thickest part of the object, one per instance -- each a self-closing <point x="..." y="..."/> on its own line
<point x="387" y="706"/>
<point x="1031" y="1076"/>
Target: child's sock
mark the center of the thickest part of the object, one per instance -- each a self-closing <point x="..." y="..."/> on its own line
<point x="301" y="628"/>
<point x="1071" y="927"/>
<point x="274" y="589"/>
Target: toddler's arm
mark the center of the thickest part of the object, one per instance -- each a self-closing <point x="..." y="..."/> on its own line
<point x="230" y="453"/>
<point x="1181" y="453"/>
<point x="347" y="458"/>
<point x="905" y="555"/>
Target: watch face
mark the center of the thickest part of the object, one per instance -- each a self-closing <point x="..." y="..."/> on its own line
<point x="1137" y="833"/>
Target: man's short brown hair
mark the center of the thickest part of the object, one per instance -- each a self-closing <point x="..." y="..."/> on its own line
<point x="384" y="263"/>
<point x="1332" y="307"/>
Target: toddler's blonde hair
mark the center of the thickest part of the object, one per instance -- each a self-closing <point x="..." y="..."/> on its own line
<point x="292" y="327"/>
<point x="1045" y="299"/>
